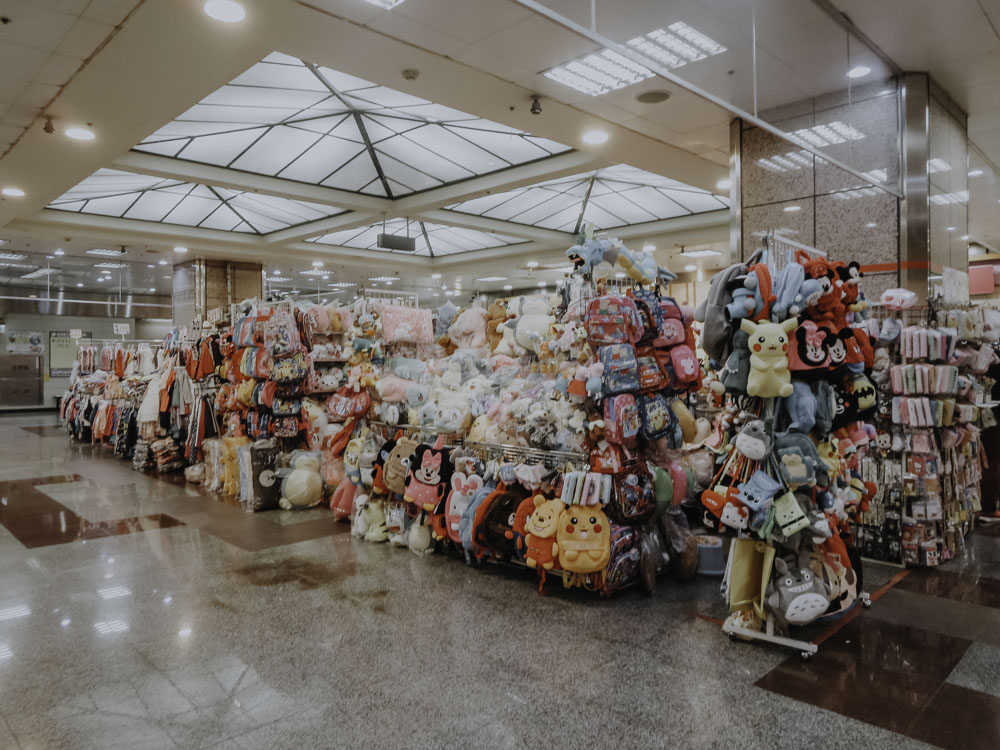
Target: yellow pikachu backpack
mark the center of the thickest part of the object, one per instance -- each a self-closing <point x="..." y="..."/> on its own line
<point x="584" y="543"/>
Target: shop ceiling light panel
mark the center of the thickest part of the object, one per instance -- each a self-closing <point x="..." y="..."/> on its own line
<point x="40" y="273"/>
<point x="676" y="46"/>
<point x="106" y="251"/>
<point x="599" y="73"/>
<point x="13" y="256"/>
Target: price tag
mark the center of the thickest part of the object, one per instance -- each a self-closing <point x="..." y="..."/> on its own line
<point x="215" y="315"/>
<point x="122" y="328"/>
<point x="76" y="333"/>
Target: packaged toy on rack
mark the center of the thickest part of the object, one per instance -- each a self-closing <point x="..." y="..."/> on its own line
<point x="794" y="462"/>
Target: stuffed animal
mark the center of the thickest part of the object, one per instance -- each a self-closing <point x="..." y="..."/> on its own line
<point x="532" y="323"/>
<point x="769" y="376"/>
<point x="468" y="332"/>
<point x="541" y="547"/>
<point x="417" y="397"/>
<point x="429" y="475"/>
<point x="800" y="408"/>
<point x="583" y="539"/>
<point x="397" y="464"/>
<point x="463" y="489"/>
<point x="496" y="316"/>
<point x="754" y="440"/>
<point x="796" y="596"/>
<point x="641" y="267"/>
<point x="418" y="536"/>
<point x="303" y="488"/>
<point x="508" y="346"/>
<point x="589" y="253"/>
<point x="377" y="529"/>
<point x="453" y="375"/>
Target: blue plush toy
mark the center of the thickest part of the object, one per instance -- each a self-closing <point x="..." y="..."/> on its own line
<point x="800" y="408"/>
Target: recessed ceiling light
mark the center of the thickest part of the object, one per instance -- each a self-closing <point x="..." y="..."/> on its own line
<point x="58" y="251"/>
<point x="12" y="256"/>
<point x="79" y="134"/>
<point x="492" y="278"/>
<point x="690" y="267"/>
<point x="652" y="97"/>
<point x="532" y="264"/>
<point x="435" y="276"/>
<point x="859" y="71"/>
<point x="110" y="264"/>
<point x="507" y="287"/>
<point x="162" y="262"/>
<point x="317" y="264"/>
<point x="723" y="185"/>
<point x="107" y="252"/>
<point x="227" y="11"/>
<point x="599" y="73"/>
<point x="791" y="209"/>
<point x="79" y="283"/>
<point x="33" y="296"/>
<point x="648" y="247"/>
<point x="100" y="278"/>
<point x="975" y="173"/>
<point x="676" y="46"/>
<point x="386" y="4"/>
<point x="541" y="283"/>
<point x="13" y="192"/>
<point x="964" y="237"/>
<point x="184" y="632"/>
<point x="871" y="225"/>
<point x="180" y="249"/>
<point x="950" y="229"/>
<point x="595" y="137"/>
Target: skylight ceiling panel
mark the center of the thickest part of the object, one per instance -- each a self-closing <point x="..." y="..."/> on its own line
<point x="657" y="203"/>
<point x="260" y="222"/>
<point x="354" y="175"/>
<point x="365" y="238"/>
<point x="276" y="150"/>
<point x="385" y="97"/>
<point x="231" y="118"/>
<point x="551" y="146"/>
<point x="152" y="206"/>
<point x="634" y="175"/>
<point x="67" y="205"/>
<point x="272" y="75"/>
<point x="221" y="148"/>
<point x="338" y="238"/>
<point x="439" y="113"/>
<point x="619" y="205"/>
<point x="162" y="148"/>
<point x="696" y="202"/>
<point x="223" y="218"/>
<point x="362" y="105"/>
<point x="114" y="205"/>
<point x="564" y="221"/>
<point x="601" y="218"/>
<point x="471" y="239"/>
<point x="344" y="82"/>
<point x="185" y="128"/>
<point x="385" y="126"/>
<point x="319" y="125"/>
<point x="322" y="159"/>
<point x="283" y="210"/>
<point x="423" y="159"/>
<point x="549" y="203"/>
<point x="512" y="148"/>
<point x="258" y="97"/>
<point x="444" y="142"/>
<point x="481" y="124"/>
<point x="479" y="206"/>
<point x="517" y="205"/>
<point x="406" y="176"/>
<point x="191" y="211"/>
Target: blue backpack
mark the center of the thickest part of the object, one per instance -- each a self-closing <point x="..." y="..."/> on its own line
<point x="621" y="371"/>
<point x="467" y="524"/>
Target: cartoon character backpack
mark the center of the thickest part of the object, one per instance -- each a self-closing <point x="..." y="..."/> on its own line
<point x="633" y="498"/>
<point x="378" y="466"/>
<point x="467" y="524"/>
<point x="397" y="465"/>
<point x="613" y="320"/>
<point x="769" y="375"/>
<point x="463" y="489"/>
<point x="493" y="526"/>
<point x="541" y="548"/>
<point x="429" y="475"/>
<point x="584" y="540"/>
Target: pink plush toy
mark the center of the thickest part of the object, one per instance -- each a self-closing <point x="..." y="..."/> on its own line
<point x="468" y="332"/>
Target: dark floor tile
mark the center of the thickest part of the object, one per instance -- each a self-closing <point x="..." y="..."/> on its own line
<point x="946" y="616"/>
<point x="963" y="587"/>
<point x="877" y="672"/>
<point x="957" y="718"/>
<point x="987" y="529"/>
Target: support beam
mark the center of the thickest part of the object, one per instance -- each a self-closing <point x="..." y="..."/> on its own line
<point x="487" y="224"/>
<point x="705" y="220"/>
<point x="310" y="229"/>
<point x="234" y="179"/>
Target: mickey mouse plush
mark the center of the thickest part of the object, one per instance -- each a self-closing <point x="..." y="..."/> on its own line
<point x="830" y="307"/>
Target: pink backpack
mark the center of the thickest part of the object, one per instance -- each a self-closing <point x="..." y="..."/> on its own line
<point x="621" y="419"/>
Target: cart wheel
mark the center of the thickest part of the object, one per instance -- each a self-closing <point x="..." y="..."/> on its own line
<point x="866" y="603"/>
<point x="732" y="636"/>
<point x="805" y="655"/>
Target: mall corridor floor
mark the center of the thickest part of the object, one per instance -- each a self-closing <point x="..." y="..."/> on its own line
<point x="137" y="612"/>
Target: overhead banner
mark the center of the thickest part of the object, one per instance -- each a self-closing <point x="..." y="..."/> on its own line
<point x="25" y="342"/>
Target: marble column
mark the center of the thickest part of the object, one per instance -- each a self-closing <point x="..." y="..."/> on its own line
<point x="204" y="285"/>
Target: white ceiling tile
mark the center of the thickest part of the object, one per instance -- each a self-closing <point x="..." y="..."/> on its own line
<point x="537" y="44"/>
<point x="416" y="33"/>
<point x="37" y="95"/>
<point x="84" y="37"/>
<point x="34" y="25"/>
<point x="482" y="59"/>
<point x="109" y="11"/>
<point x="58" y="69"/>
<point x="464" y="20"/>
<point x="20" y="63"/>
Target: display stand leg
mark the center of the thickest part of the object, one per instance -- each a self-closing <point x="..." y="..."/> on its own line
<point x="805" y="648"/>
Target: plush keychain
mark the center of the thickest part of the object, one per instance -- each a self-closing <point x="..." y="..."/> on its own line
<point x="769" y="375"/>
<point x="429" y="475"/>
<point x="754" y="440"/>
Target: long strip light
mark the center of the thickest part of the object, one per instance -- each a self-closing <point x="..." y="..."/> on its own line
<point x="599" y="72"/>
<point x="106" y="251"/>
<point x="676" y="46"/>
<point x="700" y="253"/>
<point x="13" y="256"/>
<point x="111" y="264"/>
<point x="40" y="273"/>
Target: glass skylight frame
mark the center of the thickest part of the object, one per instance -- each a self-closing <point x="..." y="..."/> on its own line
<point x="444" y="239"/>
<point x="139" y="197"/>
<point x="293" y="120"/>
<point x="611" y="198"/>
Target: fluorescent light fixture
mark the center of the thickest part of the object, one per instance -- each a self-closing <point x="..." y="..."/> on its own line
<point x="11" y="613"/>
<point x="386" y="4"/>
<point x="532" y="264"/>
<point x="598" y="73"/>
<point x="227" y="11"/>
<point x="791" y="209"/>
<point x="690" y="267"/>
<point x="859" y="71"/>
<point x="506" y="287"/>
<point x="101" y="278"/>
<point x="110" y="264"/>
<point x="317" y="264"/>
<point x="37" y="274"/>
<point x="390" y="279"/>
<point x="180" y="249"/>
<point x="79" y="284"/>
<point x="871" y="225"/>
<point x="937" y="165"/>
<point x="162" y="262"/>
<point x="975" y="172"/>
<point x="723" y="185"/>
<point x="111" y="626"/>
<point x="594" y="137"/>
<point x="435" y="276"/>
<point x="313" y="272"/>
<point x="152" y="289"/>
<point x="184" y="632"/>
<point x="79" y="134"/>
<point x="12" y="256"/>
<point x="341" y="284"/>
<point x="107" y="252"/>
<point x="492" y="278"/>
<point x="13" y="192"/>
<point x="676" y="46"/>
<point x="950" y="229"/>
<point x="935" y="277"/>
<point x="279" y="279"/>
<point x="828" y="134"/>
<point x="541" y="283"/>
<point x="58" y="251"/>
<point x="706" y="253"/>
<point x="114" y="592"/>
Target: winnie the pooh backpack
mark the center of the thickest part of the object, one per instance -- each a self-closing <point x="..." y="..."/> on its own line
<point x="541" y="548"/>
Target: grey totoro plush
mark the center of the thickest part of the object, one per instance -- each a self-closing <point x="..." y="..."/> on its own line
<point x="795" y="596"/>
<point x="754" y="440"/>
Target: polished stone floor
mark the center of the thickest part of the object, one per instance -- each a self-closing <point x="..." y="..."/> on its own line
<point x="142" y="613"/>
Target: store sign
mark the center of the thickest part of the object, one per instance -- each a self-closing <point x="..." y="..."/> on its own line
<point x="63" y="346"/>
<point x="215" y="315"/>
<point x="122" y="328"/>
<point x="25" y="342"/>
<point x="75" y="333"/>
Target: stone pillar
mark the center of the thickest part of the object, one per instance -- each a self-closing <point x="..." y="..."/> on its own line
<point x="203" y="285"/>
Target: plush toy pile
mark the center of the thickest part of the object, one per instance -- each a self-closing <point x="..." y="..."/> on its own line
<point x="794" y="357"/>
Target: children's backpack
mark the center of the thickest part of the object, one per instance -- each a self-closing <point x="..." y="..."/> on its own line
<point x="647" y="303"/>
<point x="655" y="416"/>
<point x="290" y="369"/>
<point x="633" y="499"/>
<point x="682" y="366"/>
<point x="620" y="368"/>
<point x="650" y="373"/>
<point x="606" y="458"/>
<point x="493" y="524"/>
<point x="281" y="336"/>
<point x="467" y="524"/>
<point x="243" y="331"/>
<point x="613" y="320"/>
<point x="621" y="419"/>
<point x="623" y="564"/>
<point x="672" y="330"/>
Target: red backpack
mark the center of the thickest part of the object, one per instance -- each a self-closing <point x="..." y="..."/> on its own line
<point x="621" y="419"/>
<point x="613" y="320"/>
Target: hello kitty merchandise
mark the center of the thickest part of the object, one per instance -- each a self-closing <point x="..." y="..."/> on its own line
<point x="532" y="323"/>
<point x="377" y="528"/>
<point x="303" y="488"/>
<point x="418" y="536"/>
<point x="769" y="375"/>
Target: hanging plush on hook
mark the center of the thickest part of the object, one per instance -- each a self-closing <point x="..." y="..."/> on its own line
<point x="640" y="266"/>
